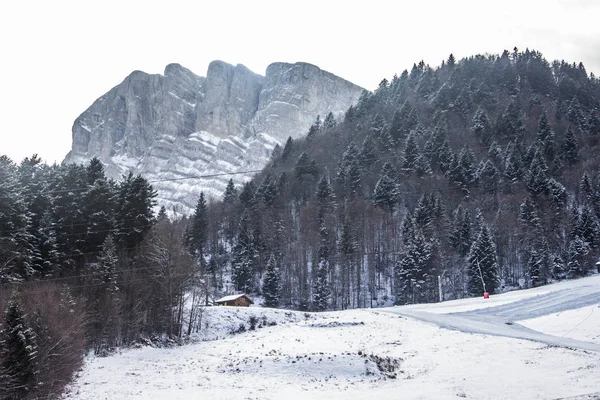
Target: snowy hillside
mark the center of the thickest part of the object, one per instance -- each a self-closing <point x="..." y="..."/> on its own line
<point x="359" y="354"/>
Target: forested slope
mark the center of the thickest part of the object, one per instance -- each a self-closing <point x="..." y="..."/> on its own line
<point x="484" y="164"/>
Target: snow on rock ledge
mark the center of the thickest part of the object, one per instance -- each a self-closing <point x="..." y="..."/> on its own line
<point x="180" y="125"/>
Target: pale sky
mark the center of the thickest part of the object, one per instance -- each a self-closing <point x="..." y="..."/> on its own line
<point x="59" y="56"/>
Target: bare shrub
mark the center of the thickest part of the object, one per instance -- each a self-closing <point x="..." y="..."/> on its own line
<point x="57" y="320"/>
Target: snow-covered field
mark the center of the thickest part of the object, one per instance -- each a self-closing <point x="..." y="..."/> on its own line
<point x="359" y="354"/>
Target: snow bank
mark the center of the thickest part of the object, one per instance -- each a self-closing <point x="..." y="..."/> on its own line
<point x="221" y="322"/>
<point x="579" y="324"/>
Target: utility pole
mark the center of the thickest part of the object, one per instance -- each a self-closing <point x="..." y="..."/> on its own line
<point x="440" y="285"/>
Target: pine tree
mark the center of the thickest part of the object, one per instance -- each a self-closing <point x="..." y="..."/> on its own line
<point x="347" y="248"/>
<point x="98" y="208"/>
<point x="559" y="269"/>
<point x="268" y="191"/>
<point x="587" y="227"/>
<point x="34" y="179"/>
<point x="488" y="175"/>
<point x="570" y="147"/>
<point x="354" y="180"/>
<point x="414" y="269"/>
<point x="463" y="104"/>
<point x="593" y="124"/>
<point x="20" y="350"/>
<point x="482" y="265"/>
<point x="407" y="229"/>
<point x="437" y="148"/>
<point x="405" y="119"/>
<point x="198" y="231"/>
<point x="230" y="193"/>
<point x="451" y="61"/>
<point x="545" y="138"/>
<point x="105" y="268"/>
<point x="510" y="124"/>
<point x="305" y="166"/>
<point x="424" y="212"/>
<point x="287" y="149"/>
<point x="386" y="189"/>
<point x="378" y="125"/>
<point x="411" y="154"/>
<point x="577" y="250"/>
<point x="466" y="234"/>
<point x="244" y="256"/>
<point x="466" y="161"/>
<point x="454" y="233"/>
<point x="585" y="185"/>
<point x="557" y="195"/>
<point x="162" y="214"/>
<point x="422" y="166"/>
<point x="272" y="283"/>
<point x="314" y="128"/>
<point x="513" y="169"/>
<point x="134" y="210"/>
<point x="329" y="121"/>
<point x="528" y="213"/>
<point x="574" y="113"/>
<point x="46" y="246"/>
<point x="537" y="181"/>
<point x="368" y="154"/>
<point x="15" y="248"/>
<point x="321" y="290"/>
<point x="94" y="171"/>
<point x="534" y="269"/>
<point x="248" y="195"/>
<point x="481" y="126"/>
<point x="495" y="153"/>
<point x="325" y="197"/>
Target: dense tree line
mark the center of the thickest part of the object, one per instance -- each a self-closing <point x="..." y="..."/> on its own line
<point x="84" y="264"/>
<point x="482" y="171"/>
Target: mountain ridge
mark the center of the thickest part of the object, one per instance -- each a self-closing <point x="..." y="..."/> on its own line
<point x="181" y="125"/>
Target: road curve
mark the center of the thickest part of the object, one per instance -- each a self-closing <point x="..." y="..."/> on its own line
<point x="500" y="320"/>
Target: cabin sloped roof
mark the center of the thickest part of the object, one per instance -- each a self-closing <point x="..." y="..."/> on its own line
<point x="231" y="298"/>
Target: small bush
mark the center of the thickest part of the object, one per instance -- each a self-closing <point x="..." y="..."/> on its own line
<point x="253" y="322"/>
<point x="240" y="329"/>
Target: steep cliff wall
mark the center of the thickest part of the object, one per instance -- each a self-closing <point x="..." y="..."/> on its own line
<point x="174" y="127"/>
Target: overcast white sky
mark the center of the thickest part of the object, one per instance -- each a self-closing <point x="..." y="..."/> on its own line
<point x="59" y="56"/>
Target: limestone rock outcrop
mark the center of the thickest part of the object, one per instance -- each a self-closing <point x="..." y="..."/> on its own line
<point x="179" y="128"/>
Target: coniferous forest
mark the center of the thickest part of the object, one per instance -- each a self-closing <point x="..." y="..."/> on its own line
<point x="482" y="174"/>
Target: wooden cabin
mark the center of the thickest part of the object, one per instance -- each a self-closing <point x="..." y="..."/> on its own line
<point x="235" y="300"/>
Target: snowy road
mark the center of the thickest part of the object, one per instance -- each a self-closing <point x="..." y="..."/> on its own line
<point x="499" y="317"/>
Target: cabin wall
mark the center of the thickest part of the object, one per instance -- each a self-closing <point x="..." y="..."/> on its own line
<point x="242" y="302"/>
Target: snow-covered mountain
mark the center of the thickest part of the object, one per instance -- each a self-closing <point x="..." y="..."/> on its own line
<point x="176" y="126"/>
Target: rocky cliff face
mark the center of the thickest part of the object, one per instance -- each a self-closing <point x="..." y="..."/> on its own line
<point x="175" y="127"/>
